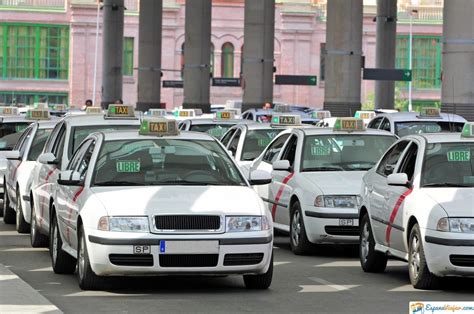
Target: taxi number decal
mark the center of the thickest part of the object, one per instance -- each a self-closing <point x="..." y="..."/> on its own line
<point x="121" y="110"/>
<point x="459" y="155"/>
<point x="320" y="150"/>
<point x="158" y="127"/>
<point x="7" y="111"/>
<point x="128" y="165"/>
<point x="37" y="114"/>
<point x="183" y="114"/>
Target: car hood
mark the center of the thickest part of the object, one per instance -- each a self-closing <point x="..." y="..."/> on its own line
<point x="457" y="202"/>
<point x="336" y="182"/>
<point x="152" y="200"/>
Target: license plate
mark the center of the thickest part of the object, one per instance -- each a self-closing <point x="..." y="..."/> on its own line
<point x="346" y="222"/>
<point x="189" y="247"/>
<point x="141" y="249"/>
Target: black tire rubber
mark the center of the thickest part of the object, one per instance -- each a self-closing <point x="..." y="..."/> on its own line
<point x="63" y="263"/>
<point x="303" y="246"/>
<point x="9" y="215"/>
<point x="21" y="225"/>
<point x="36" y="238"/>
<point x="260" y="282"/>
<point x="87" y="279"/>
<point x="376" y="262"/>
<point x="425" y="279"/>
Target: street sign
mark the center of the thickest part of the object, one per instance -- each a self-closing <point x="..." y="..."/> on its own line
<point x="226" y="81"/>
<point x="173" y="84"/>
<point x="296" y="80"/>
<point x="387" y="75"/>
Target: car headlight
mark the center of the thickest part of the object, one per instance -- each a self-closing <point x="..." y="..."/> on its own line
<point x="246" y="223"/>
<point x="124" y="224"/>
<point x="458" y="225"/>
<point x="337" y="201"/>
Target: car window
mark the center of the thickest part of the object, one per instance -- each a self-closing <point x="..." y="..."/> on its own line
<point x="289" y="152"/>
<point x="274" y="149"/>
<point x="48" y="146"/>
<point x="256" y="141"/>
<point x="214" y="129"/>
<point x="22" y="139"/>
<point x="77" y="157"/>
<point x="234" y="143"/>
<point x="375" y="123"/>
<point x="38" y="143"/>
<point x="225" y="140"/>
<point x="58" y="146"/>
<point x="417" y="127"/>
<point x="85" y="161"/>
<point x="409" y="161"/>
<point x="385" y="125"/>
<point x="390" y="159"/>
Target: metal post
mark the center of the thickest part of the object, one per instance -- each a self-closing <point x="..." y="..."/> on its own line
<point x="96" y="57"/>
<point x="410" y="107"/>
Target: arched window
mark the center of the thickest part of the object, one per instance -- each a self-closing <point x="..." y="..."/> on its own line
<point x="227" y="62"/>
<point x="182" y="60"/>
<point x="211" y="62"/>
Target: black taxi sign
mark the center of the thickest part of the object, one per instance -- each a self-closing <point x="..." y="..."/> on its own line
<point x="120" y="111"/>
<point x="286" y="120"/>
<point x="225" y="115"/>
<point x="159" y="127"/>
<point x="429" y="112"/>
<point x="349" y="124"/>
<point x="94" y="110"/>
<point x="38" y="114"/>
<point x="8" y="111"/>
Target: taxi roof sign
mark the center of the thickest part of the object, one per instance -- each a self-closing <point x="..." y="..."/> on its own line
<point x="430" y="112"/>
<point x="120" y="111"/>
<point x="60" y="107"/>
<point x="157" y="112"/>
<point x="365" y="114"/>
<point x="349" y="124"/>
<point x="40" y="105"/>
<point x="159" y="127"/>
<point x="282" y="120"/>
<point x="321" y="114"/>
<point x="38" y="114"/>
<point x="185" y="113"/>
<point x="94" y="110"/>
<point x="224" y="115"/>
<point x="8" y="111"/>
<point x="468" y="130"/>
<point x="282" y="108"/>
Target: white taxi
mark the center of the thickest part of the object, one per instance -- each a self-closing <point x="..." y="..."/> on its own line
<point x="316" y="178"/>
<point x="192" y="211"/>
<point x="428" y="120"/>
<point x="418" y="206"/>
<point x="61" y="144"/>
<point x="20" y="165"/>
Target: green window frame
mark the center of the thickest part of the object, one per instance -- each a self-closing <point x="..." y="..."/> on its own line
<point x="426" y="61"/>
<point x="127" y="67"/>
<point x="227" y="63"/>
<point x="29" y="98"/>
<point x="34" y="51"/>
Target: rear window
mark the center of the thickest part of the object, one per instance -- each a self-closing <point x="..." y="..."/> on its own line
<point x="10" y="134"/>
<point x="216" y="130"/>
<point x="417" y="127"/>
<point x="38" y="143"/>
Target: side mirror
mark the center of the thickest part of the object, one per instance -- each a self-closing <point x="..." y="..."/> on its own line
<point x="260" y="177"/>
<point x="69" y="177"/>
<point x="398" y="179"/>
<point x="12" y="155"/>
<point x="48" y="159"/>
<point x="281" y="165"/>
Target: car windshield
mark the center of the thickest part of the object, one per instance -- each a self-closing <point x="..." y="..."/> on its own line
<point x="264" y="118"/>
<point x="165" y="162"/>
<point x="343" y="152"/>
<point x="79" y="133"/>
<point x="38" y="143"/>
<point x="417" y="127"/>
<point x="448" y="164"/>
<point x="256" y="141"/>
<point x="216" y="130"/>
<point x="10" y="133"/>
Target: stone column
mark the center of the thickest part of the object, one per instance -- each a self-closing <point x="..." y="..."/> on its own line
<point x="457" y="93"/>
<point x="149" y="54"/>
<point x="197" y="54"/>
<point x="112" y="51"/>
<point x="258" y="58"/>
<point x="386" y="40"/>
<point x="344" y="57"/>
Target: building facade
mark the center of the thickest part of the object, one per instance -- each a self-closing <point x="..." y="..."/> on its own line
<point x="47" y="50"/>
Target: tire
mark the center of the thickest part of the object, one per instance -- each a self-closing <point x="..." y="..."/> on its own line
<point x="299" y="242"/>
<point x="9" y="214"/>
<point x="371" y="260"/>
<point x="420" y="275"/>
<point x="260" y="282"/>
<point x="62" y="262"/>
<point x="88" y="280"/>
<point x="36" y="238"/>
<point x="21" y="225"/>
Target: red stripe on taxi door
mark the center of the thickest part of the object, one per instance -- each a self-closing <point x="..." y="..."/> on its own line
<point x="280" y="192"/>
<point x="394" y="214"/>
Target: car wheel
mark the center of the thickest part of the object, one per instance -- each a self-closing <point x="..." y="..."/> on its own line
<point x="420" y="275"/>
<point x="62" y="262"/>
<point x="21" y="225"/>
<point x="88" y="280"/>
<point x="262" y="281"/>
<point x="371" y="260"/>
<point x="9" y="214"/>
<point x="36" y="238"/>
<point x="298" y="240"/>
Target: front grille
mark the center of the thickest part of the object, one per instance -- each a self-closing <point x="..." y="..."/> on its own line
<point x="242" y="259"/>
<point x="462" y="260"/>
<point x="131" y="259"/>
<point x="188" y="222"/>
<point x="188" y="260"/>
<point x="342" y="230"/>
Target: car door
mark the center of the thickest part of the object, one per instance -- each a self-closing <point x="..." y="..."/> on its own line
<point x="377" y="189"/>
<point x="13" y="165"/>
<point x="280" y="191"/>
<point x="234" y="144"/>
<point x="395" y="196"/>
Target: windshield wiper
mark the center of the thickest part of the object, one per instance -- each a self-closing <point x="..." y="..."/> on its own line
<point x="447" y="184"/>
<point x="187" y="182"/>
<point x="118" y="183"/>
<point x="322" y="169"/>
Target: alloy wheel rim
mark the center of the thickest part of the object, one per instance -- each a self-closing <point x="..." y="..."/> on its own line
<point x="415" y="257"/>
<point x="296" y="228"/>
<point x="55" y="243"/>
<point x="364" y="243"/>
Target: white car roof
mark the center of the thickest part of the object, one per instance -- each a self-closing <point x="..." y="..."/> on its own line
<point x="415" y="116"/>
<point x="13" y="119"/>
<point x="327" y="131"/>
<point x="47" y="124"/>
<point x="198" y="121"/>
<point x="444" y="137"/>
<point x="132" y="134"/>
<point x="98" y="119"/>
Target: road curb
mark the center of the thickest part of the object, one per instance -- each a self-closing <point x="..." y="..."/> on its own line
<point x="19" y="297"/>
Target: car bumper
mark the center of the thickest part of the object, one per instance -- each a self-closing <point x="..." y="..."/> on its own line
<point x="107" y="254"/>
<point x="449" y="254"/>
<point x="325" y="225"/>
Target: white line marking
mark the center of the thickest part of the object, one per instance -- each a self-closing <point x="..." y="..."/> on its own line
<point x="280" y="263"/>
<point x="356" y="263"/>
<point x="325" y="286"/>
<point x="25" y="249"/>
<point x="10" y="308"/>
<point x="7" y="277"/>
<point x="409" y="288"/>
<point x="42" y="269"/>
<point x="102" y="294"/>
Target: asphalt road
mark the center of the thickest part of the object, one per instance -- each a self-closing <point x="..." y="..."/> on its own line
<point x="329" y="281"/>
